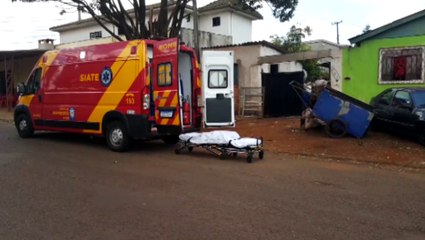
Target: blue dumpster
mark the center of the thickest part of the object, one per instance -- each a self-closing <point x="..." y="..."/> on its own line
<point x="342" y="113"/>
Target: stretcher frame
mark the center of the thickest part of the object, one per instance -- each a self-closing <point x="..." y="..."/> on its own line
<point x="224" y="150"/>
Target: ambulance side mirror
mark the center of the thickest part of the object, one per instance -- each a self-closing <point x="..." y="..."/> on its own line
<point x="21" y="89"/>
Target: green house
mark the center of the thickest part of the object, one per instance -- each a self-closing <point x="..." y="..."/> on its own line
<point x="390" y="56"/>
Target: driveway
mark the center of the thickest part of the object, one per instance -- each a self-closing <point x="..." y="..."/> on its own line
<point x="58" y="186"/>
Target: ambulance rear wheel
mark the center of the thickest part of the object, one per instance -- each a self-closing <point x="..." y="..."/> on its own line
<point x="24" y="126"/>
<point x="117" y="136"/>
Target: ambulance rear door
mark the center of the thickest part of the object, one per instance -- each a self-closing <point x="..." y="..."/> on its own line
<point x="217" y="88"/>
<point x="165" y="84"/>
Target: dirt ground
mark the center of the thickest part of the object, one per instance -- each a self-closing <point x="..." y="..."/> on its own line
<point x="283" y="135"/>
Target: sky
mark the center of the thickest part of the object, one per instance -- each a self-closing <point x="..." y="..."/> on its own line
<point x="23" y="24"/>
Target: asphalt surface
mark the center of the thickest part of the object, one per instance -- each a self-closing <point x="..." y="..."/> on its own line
<point x="60" y="186"/>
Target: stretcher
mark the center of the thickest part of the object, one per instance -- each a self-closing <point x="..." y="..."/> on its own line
<point x="222" y="143"/>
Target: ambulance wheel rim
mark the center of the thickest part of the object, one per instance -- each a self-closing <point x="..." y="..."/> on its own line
<point x="23" y="125"/>
<point x="117" y="137"/>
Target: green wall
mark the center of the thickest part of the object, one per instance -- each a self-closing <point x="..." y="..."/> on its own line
<point x="361" y="65"/>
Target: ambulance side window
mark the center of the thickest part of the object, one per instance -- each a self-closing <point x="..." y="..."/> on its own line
<point x="165" y="76"/>
<point x="34" y="82"/>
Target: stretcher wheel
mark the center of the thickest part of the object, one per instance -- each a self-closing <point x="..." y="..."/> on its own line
<point x="261" y="154"/>
<point x="336" y="128"/>
<point x="235" y="154"/>
<point x="176" y="151"/>
<point x="190" y="149"/>
<point x="249" y="157"/>
<point x="223" y="155"/>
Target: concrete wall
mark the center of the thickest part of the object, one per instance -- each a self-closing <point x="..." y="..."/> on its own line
<point x="206" y="23"/>
<point x="320" y="45"/>
<point x="247" y="57"/>
<point x="82" y="34"/>
<point x="234" y="25"/>
<point x="361" y="67"/>
<point x="206" y="39"/>
<point x="89" y="42"/>
<point x="241" y="29"/>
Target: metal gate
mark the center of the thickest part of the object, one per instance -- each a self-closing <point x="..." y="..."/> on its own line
<point x="280" y="99"/>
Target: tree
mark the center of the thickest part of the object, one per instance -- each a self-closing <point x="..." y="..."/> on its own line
<point x="133" y="24"/>
<point x="293" y="43"/>
<point x="282" y="9"/>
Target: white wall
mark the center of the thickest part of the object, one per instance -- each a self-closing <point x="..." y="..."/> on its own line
<point x="82" y="34"/>
<point x="266" y="51"/>
<point x="231" y="24"/>
<point x="205" y="23"/>
<point x="241" y="28"/>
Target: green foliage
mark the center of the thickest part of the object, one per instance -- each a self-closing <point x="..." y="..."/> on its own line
<point x="282" y="9"/>
<point x="293" y="41"/>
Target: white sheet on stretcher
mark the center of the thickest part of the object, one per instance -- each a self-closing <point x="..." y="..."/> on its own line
<point x="220" y="137"/>
<point x="245" y="142"/>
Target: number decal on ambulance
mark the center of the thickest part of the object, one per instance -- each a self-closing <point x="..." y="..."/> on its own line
<point x="129" y="99"/>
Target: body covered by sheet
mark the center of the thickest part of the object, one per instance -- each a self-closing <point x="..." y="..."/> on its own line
<point x="220" y="137"/>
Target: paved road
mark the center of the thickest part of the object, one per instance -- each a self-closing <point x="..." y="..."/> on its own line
<point x="59" y="186"/>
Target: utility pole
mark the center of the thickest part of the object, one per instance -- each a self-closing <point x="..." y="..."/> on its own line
<point x="79" y="11"/>
<point x="337" y="30"/>
<point x="196" y="28"/>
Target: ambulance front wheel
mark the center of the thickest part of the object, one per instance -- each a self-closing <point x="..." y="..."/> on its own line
<point x="117" y="136"/>
<point x="24" y="126"/>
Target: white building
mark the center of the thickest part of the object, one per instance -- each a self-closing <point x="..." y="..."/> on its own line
<point x="228" y="20"/>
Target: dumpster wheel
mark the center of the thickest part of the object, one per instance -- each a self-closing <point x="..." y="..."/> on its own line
<point x="336" y="128"/>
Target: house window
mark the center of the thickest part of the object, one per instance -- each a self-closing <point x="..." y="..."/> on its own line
<point x="401" y="65"/>
<point x="97" y="34"/>
<point x="165" y="74"/>
<point x="216" y="21"/>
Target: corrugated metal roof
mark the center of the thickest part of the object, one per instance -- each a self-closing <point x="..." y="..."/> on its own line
<point x="21" y="53"/>
<point x="262" y="43"/>
<point x="233" y="4"/>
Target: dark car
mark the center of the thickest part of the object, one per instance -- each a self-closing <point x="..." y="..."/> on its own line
<point x="401" y="110"/>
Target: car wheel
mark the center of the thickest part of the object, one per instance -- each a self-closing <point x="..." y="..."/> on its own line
<point x="24" y="126"/>
<point x="117" y="137"/>
<point x="336" y="128"/>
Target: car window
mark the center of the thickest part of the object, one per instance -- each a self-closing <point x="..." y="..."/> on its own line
<point x="402" y="98"/>
<point x="386" y="97"/>
<point x="419" y="98"/>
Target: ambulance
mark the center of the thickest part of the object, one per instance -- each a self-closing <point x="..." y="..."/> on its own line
<point x="138" y="89"/>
